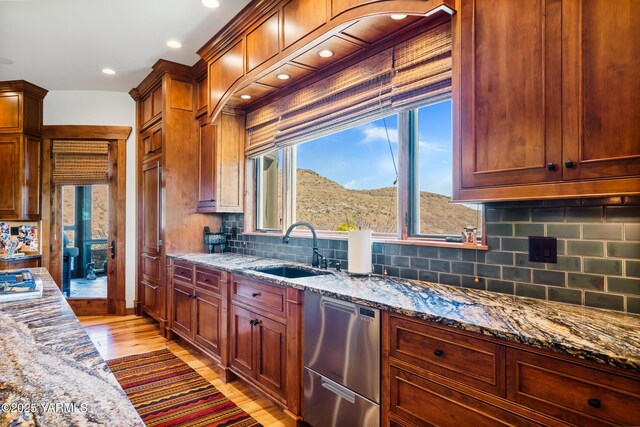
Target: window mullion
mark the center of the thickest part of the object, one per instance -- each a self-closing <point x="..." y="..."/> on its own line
<point x="404" y="173"/>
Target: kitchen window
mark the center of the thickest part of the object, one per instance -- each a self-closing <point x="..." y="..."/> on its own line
<point x="430" y="176"/>
<point x="350" y="179"/>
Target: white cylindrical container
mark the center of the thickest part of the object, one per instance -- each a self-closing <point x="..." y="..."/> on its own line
<point x="359" y="255"/>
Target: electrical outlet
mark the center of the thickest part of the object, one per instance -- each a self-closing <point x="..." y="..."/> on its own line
<point x="543" y="249"/>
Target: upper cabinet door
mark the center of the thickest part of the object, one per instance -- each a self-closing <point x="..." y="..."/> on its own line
<point x="31" y="178"/>
<point x="206" y="166"/>
<point x="509" y="92"/>
<point x="601" y="88"/>
<point x="10" y="197"/>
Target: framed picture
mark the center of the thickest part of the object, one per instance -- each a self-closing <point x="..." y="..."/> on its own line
<point x="470" y="235"/>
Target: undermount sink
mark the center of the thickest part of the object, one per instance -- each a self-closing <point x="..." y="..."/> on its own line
<point x="289" y="272"/>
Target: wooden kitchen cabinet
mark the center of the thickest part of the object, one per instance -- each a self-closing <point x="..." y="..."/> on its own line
<point x="20" y="150"/>
<point x="546" y="112"/>
<point x="198" y="309"/>
<point x="438" y="375"/>
<point x="167" y="182"/>
<point x="573" y="393"/>
<point x="221" y="163"/>
<point x="600" y="90"/>
<point x="265" y="339"/>
<point x="258" y="349"/>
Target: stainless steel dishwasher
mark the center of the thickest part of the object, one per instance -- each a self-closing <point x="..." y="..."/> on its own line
<point x="342" y="363"/>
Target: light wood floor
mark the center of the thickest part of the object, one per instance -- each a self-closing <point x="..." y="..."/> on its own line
<point x="116" y="336"/>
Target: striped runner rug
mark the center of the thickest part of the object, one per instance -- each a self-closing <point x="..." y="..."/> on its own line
<point x="167" y="392"/>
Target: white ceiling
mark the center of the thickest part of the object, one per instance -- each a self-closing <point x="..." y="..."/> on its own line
<point x="64" y="44"/>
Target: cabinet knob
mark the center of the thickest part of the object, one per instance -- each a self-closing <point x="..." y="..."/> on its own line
<point x="206" y="280"/>
<point x="551" y="166"/>
<point x="438" y="353"/>
<point x="569" y="164"/>
<point x="193" y="296"/>
<point x="255" y="294"/>
<point x="252" y="322"/>
<point x="212" y="200"/>
<point x="594" y="403"/>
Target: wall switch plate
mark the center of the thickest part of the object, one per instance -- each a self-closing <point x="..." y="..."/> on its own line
<point x="543" y="249"/>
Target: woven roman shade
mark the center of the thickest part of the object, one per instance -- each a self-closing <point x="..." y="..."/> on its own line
<point x="409" y="75"/>
<point x="80" y="162"/>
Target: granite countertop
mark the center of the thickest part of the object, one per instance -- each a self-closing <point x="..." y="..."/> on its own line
<point x="50" y="372"/>
<point x="593" y="334"/>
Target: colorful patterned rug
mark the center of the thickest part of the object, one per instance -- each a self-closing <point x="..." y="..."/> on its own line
<point x="167" y="392"/>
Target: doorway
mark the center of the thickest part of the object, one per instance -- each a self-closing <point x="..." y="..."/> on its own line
<point x="84" y="219"/>
<point x="85" y="245"/>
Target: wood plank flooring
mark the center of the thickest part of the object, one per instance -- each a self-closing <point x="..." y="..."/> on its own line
<point x="118" y="336"/>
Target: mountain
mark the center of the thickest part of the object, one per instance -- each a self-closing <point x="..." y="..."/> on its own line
<point x="327" y="204"/>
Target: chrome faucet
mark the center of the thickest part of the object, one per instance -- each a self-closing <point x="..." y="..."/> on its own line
<point x="316" y="259"/>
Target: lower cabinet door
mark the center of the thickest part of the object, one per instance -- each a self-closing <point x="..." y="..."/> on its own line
<point x="242" y="341"/>
<point x="207" y="321"/>
<point x="425" y="403"/>
<point x="182" y="310"/>
<point x="271" y="366"/>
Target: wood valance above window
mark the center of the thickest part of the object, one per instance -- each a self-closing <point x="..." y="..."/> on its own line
<point x="80" y="162"/>
<point x="409" y="75"/>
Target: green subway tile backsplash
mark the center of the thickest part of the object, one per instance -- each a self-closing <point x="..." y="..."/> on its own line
<point x="598" y="253"/>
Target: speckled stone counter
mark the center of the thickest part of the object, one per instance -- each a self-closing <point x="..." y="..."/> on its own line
<point x="600" y="335"/>
<point x="50" y="372"/>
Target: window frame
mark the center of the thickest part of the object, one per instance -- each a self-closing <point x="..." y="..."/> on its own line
<point x="407" y="197"/>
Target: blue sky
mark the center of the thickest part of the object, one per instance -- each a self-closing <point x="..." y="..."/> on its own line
<point x="359" y="158"/>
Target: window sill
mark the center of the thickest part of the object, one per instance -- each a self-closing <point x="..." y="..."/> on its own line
<point x="378" y="239"/>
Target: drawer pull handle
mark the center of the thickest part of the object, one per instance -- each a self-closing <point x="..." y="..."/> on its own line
<point x="594" y="403"/>
<point x="206" y="280"/>
<point x="438" y="353"/>
<point x="255" y="294"/>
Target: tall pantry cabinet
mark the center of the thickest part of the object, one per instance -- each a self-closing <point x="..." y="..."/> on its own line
<point x="167" y="153"/>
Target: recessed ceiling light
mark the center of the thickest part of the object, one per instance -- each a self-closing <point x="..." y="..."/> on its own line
<point x="4" y="60"/>
<point x="174" y="44"/>
<point x="397" y="16"/>
<point x="245" y="96"/>
<point x="283" y="76"/>
<point x="326" y="53"/>
<point x="109" y="71"/>
<point x="211" y="3"/>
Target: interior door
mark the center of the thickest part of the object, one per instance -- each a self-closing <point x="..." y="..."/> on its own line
<point x="92" y="245"/>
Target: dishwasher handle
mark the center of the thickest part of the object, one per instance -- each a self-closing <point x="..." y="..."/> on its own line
<point x="338" y="305"/>
<point x="338" y="390"/>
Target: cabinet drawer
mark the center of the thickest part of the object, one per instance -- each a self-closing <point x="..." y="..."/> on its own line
<point x="262" y="298"/>
<point x="151" y="267"/>
<point x="208" y="280"/>
<point x="425" y="403"/>
<point x="183" y="272"/>
<point x="574" y="393"/>
<point x="152" y="297"/>
<point x="469" y="361"/>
